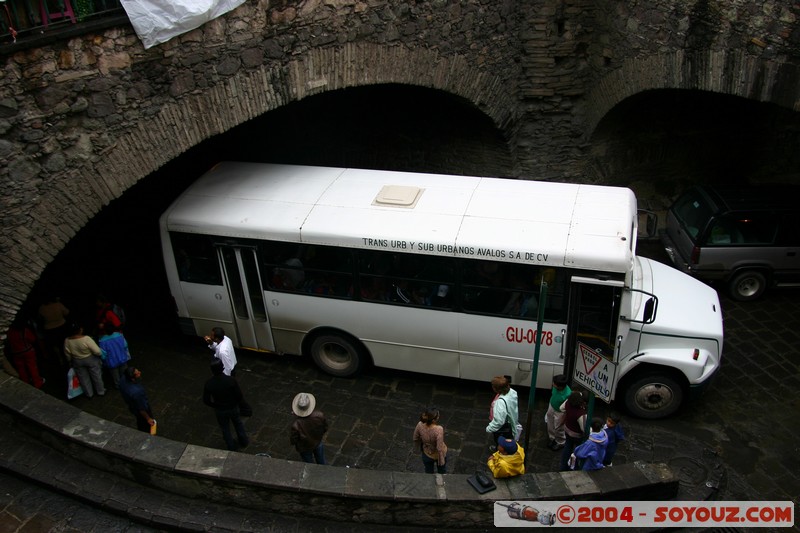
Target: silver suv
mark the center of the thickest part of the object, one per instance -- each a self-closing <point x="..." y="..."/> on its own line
<point x="745" y="237"/>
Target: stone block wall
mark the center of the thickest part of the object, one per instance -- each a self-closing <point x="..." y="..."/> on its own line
<point x="84" y="119"/>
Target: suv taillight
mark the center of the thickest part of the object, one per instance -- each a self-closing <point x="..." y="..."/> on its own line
<point x="695" y="258"/>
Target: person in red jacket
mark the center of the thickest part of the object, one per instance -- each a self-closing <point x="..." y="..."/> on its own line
<point x="22" y="352"/>
<point x="105" y="314"/>
<point x="574" y="426"/>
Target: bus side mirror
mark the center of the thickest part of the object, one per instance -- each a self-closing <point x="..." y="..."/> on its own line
<point x="649" y="310"/>
<point x="650" y="225"/>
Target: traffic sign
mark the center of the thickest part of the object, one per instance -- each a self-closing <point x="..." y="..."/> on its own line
<point x="594" y="372"/>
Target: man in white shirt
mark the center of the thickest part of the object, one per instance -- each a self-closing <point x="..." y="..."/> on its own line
<point x="223" y="349"/>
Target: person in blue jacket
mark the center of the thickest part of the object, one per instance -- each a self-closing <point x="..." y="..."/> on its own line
<point x="591" y="453"/>
<point x="115" y="352"/>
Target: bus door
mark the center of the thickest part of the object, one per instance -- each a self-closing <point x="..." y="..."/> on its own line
<point x="242" y="278"/>
<point x="593" y="319"/>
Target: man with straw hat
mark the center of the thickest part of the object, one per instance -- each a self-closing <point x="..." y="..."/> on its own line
<point x="308" y="428"/>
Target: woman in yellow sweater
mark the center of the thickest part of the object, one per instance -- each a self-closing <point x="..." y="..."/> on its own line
<point x="84" y="356"/>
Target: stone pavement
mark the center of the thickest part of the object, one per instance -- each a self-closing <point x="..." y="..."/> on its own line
<point x="28" y="507"/>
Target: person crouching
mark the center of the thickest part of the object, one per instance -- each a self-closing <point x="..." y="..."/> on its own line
<point x="508" y="460"/>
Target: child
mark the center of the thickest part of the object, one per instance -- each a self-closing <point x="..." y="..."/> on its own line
<point x="592" y="452"/>
<point x="615" y="434"/>
<point x="508" y="460"/>
<point x="555" y="416"/>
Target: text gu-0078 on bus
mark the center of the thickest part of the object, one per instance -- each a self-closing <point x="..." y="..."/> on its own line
<point x="437" y="274"/>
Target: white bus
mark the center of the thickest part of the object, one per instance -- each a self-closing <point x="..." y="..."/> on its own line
<point x="437" y="274"/>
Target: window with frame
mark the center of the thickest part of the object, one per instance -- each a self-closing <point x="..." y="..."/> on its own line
<point x="789" y="231"/>
<point x="310" y="268"/>
<point x="196" y="258"/>
<point x="408" y="279"/>
<point x="746" y="229"/>
<point x="486" y="287"/>
<point x="511" y="289"/>
<point x="693" y="211"/>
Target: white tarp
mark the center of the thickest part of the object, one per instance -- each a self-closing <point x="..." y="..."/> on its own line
<point x="158" y="21"/>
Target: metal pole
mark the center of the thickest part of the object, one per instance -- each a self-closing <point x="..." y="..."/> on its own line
<point x="535" y="370"/>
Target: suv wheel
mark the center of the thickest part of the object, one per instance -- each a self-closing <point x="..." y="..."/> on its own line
<point x="747" y="285"/>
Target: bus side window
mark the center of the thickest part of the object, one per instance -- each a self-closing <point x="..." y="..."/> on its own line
<point x="436" y="279"/>
<point x="512" y="290"/>
<point x="521" y="301"/>
<point x="400" y="292"/>
<point x="283" y="265"/>
<point x="484" y="287"/>
<point x="290" y="276"/>
<point x="373" y="288"/>
<point x="556" y="294"/>
<point x="407" y="279"/>
<point x="196" y="258"/>
<point x="442" y="296"/>
<point x="373" y="267"/>
<point x="328" y="271"/>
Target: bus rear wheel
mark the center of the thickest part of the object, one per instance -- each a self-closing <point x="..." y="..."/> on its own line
<point x="653" y="396"/>
<point x="337" y="355"/>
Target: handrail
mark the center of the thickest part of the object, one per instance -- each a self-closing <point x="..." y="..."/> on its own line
<point x="25" y="22"/>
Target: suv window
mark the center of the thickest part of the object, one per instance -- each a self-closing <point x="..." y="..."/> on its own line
<point x="693" y="211"/>
<point x="743" y="229"/>
<point x="789" y="234"/>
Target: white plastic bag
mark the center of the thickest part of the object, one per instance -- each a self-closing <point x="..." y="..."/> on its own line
<point x="74" y="388"/>
<point x="158" y="21"/>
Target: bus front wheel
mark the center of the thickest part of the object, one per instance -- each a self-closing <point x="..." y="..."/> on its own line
<point x="337" y="355"/>
<point x="653" y="396"/>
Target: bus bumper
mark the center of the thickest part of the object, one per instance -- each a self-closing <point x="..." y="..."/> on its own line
<point x="696" y="391"/>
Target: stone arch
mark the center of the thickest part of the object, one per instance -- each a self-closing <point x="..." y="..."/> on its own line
<point x="731" y="72"/>
<point x="185" y="122"/>
<point x="178" y="125"/>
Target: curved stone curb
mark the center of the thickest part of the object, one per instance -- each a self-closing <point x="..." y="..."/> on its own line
<point x="282" y="486"/>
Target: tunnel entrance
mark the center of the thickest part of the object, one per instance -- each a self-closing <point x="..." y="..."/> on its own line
<point x="660" y="142"/>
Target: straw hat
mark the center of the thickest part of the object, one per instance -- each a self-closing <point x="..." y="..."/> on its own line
<point x="303" y="404"/>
